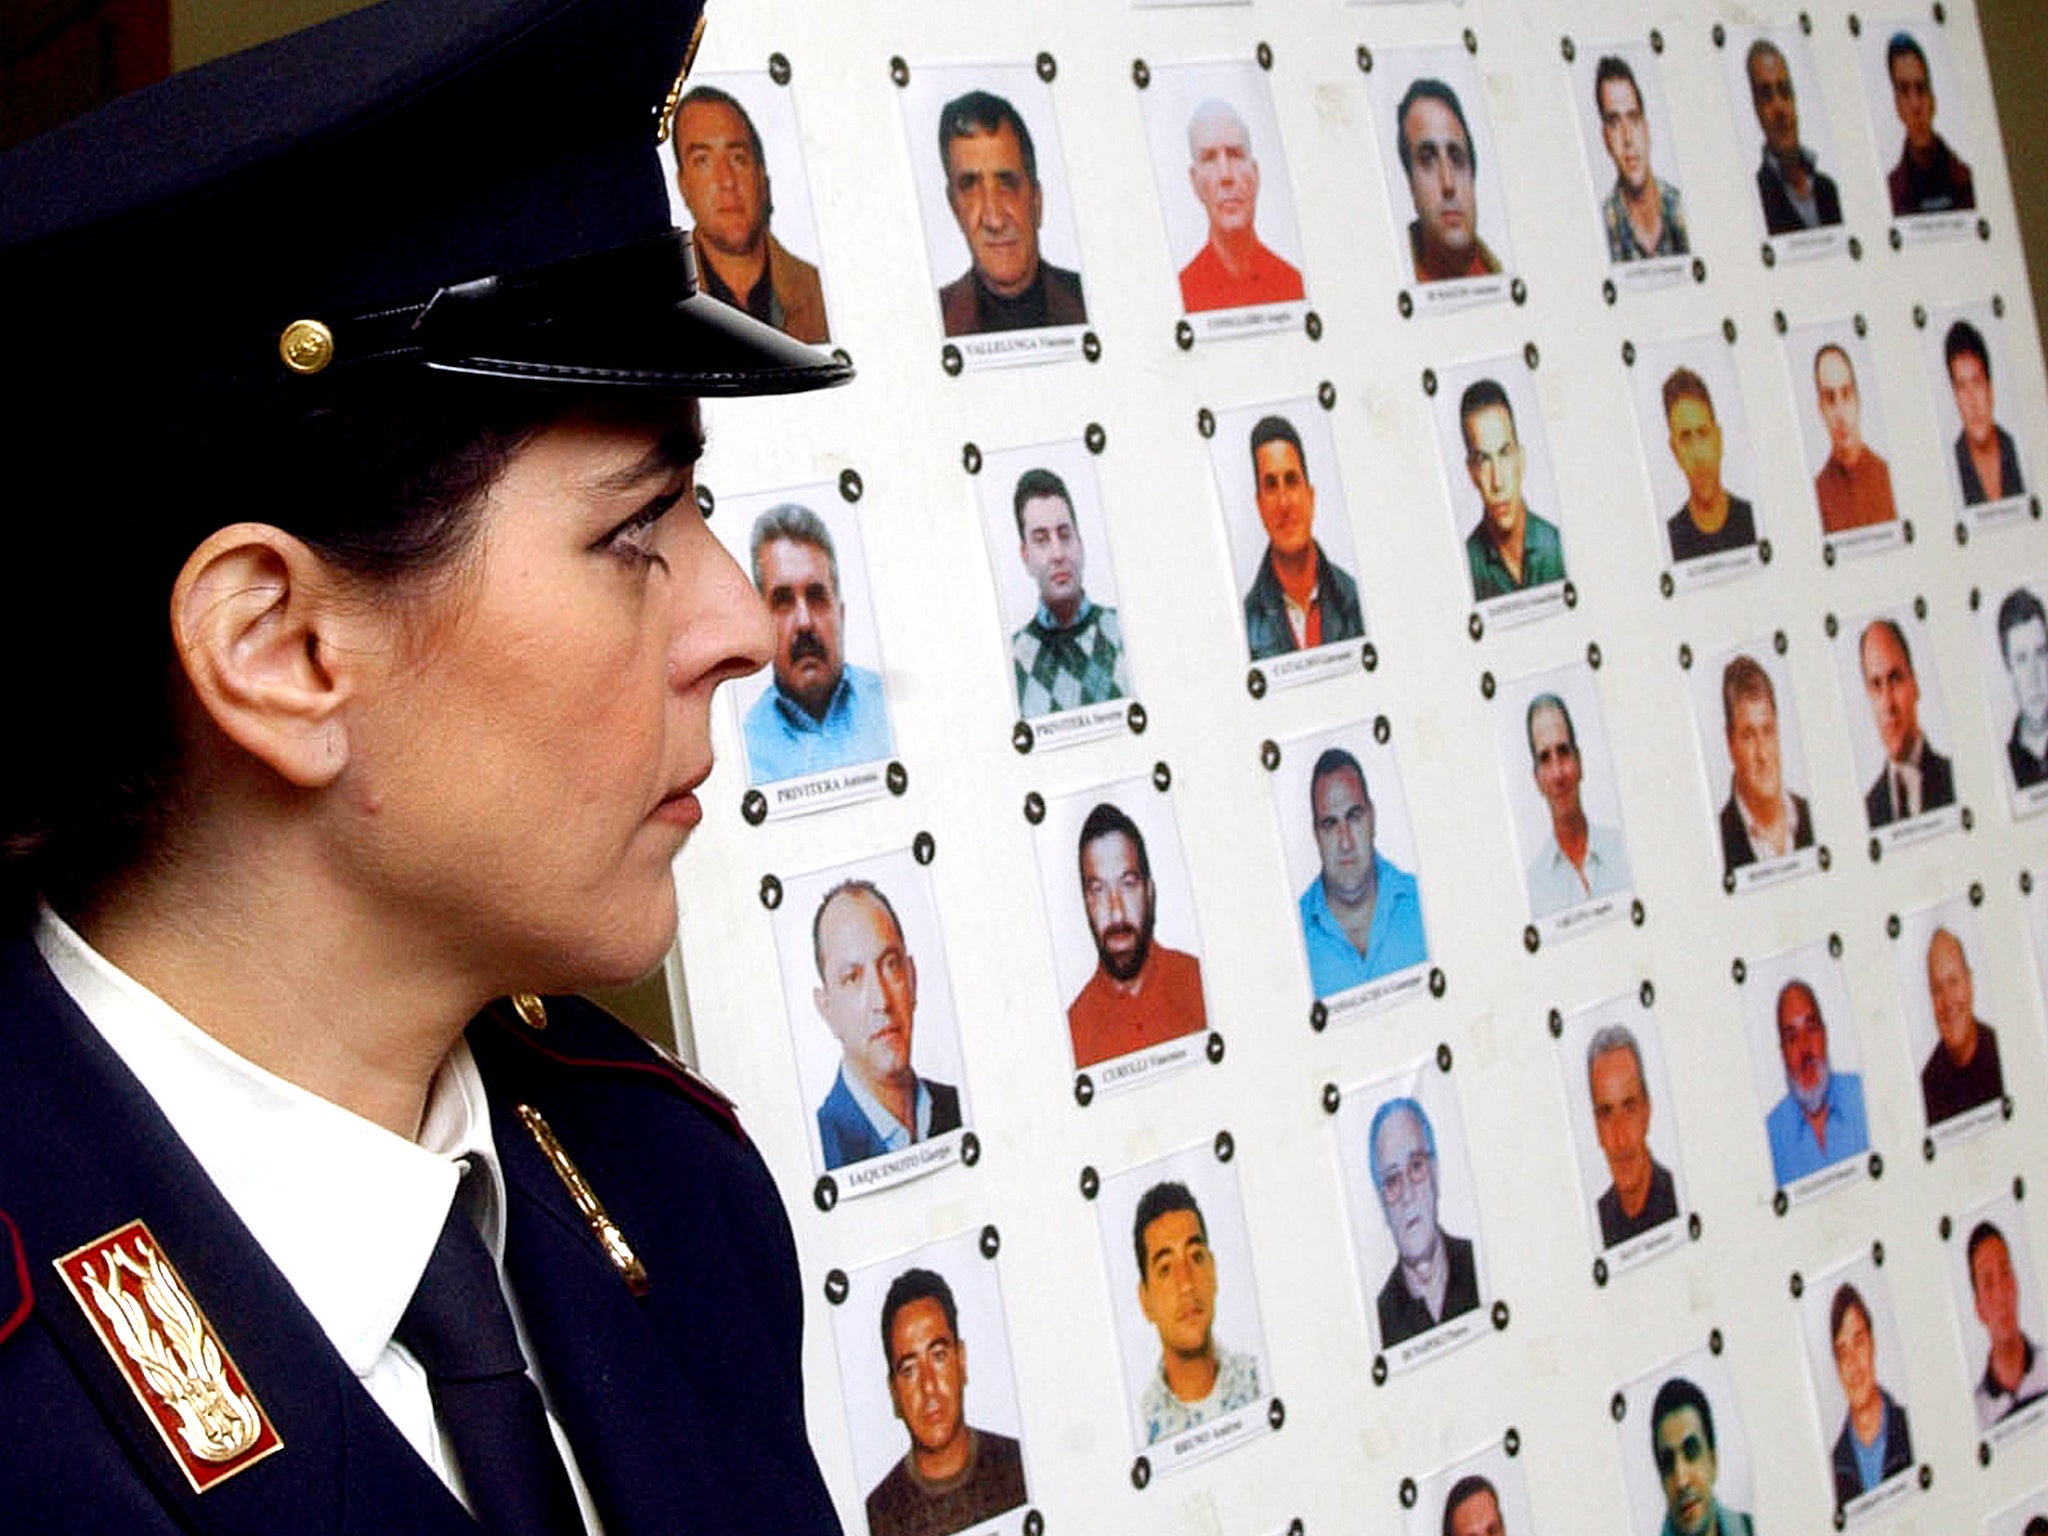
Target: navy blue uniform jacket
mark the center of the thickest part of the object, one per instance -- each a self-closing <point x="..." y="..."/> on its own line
<point x="684" y="1405"/>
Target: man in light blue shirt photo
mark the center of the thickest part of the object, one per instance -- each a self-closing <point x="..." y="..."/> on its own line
<point x="1361" y="918"/>
<point x="1820" y="1120"/>
<point x="819" y="712"/>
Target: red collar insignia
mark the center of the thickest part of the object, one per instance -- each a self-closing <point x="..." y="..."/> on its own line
<point x="169" y="1355"/>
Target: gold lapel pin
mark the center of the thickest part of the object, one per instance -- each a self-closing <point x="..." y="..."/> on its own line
<point x="609" y="1237"/>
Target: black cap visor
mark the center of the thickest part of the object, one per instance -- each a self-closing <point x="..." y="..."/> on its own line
<point x="627" y="318"/>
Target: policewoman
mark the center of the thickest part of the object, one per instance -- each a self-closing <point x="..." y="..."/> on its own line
<point x="360" y="639"/>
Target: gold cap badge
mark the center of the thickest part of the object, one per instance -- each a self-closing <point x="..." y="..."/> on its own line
<point x="306" y="346"/>
<point x="665" y="119"/>
<point x="169" y="1355"/>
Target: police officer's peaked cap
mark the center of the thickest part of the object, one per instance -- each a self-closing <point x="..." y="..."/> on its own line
<point x="463" y="185"/>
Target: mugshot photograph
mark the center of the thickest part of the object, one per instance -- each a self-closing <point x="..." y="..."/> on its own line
<point x="993" y="194"/>
<point x="1808" y="1067"/>
<point x="1781" y="127"/>
<point x="869" y="1002"/>
<point x="820" y="706"/>
<point x="2004" y="1324"/>
<point x="740" y="187"/>
<point x="937" y="1446"/>
<point x="1481" y="1494"/>
<point x="1414" y="1212"/>
<point x="1684" y="1457"/>
<point x="1618" y="98"/>
<point x="1437" y="154"/>
<point x="1126" y="947"/>
<point x="1966" y="364"/>
<point x="1293" y="563"/>
<point x="1178" y="1257"/>
<point x="1697" y="446"/>
<point x="1056" y="591"/>
<point x="1841" y="424"/>
<point x="1499" y="476"/>
<point x="1224" y="191"/>
<point x="1750" y="745"/>
<point x="2012" y="636"/>
<point x="1351" y="864"/>
<point x="1898" y="726"/>
<point x="1624" y="1125"/>
<point x="1945" y="990"/>
<point x="1557" y="763"/>
<point x="1858" y="1367"/>
<point x="1918" y="121"/>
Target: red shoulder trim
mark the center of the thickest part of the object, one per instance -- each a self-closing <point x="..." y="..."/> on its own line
<point x="657" y="1065"/>
<point x="14" y="1286"/>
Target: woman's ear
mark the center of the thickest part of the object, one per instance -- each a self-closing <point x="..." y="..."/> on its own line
<point x="266" y="632"/>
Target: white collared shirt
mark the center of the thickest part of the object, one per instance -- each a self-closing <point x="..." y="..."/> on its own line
<point x="348" y="1211"/>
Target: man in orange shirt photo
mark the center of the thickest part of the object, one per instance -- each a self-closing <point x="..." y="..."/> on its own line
<point x="1141" y="993"/>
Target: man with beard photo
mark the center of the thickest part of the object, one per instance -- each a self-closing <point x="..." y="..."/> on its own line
<point x="1820" y="1120"/>
<point x="1142" y="993"/>
<point x="821" y="711"/>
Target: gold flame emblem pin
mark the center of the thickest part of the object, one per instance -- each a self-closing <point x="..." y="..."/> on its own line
<point x="168" y="1353"/>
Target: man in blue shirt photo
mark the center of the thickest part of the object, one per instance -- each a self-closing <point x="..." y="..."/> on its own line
<point x="820" y="712"/>
<point x="1361" y="918"/>
<point x="1820" y="1120"/>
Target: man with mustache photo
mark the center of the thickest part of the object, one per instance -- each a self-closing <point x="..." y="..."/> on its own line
<point x="1821" y="1119"/>
<point x="820" y="712"/>
<point x="1142" y="993"/>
